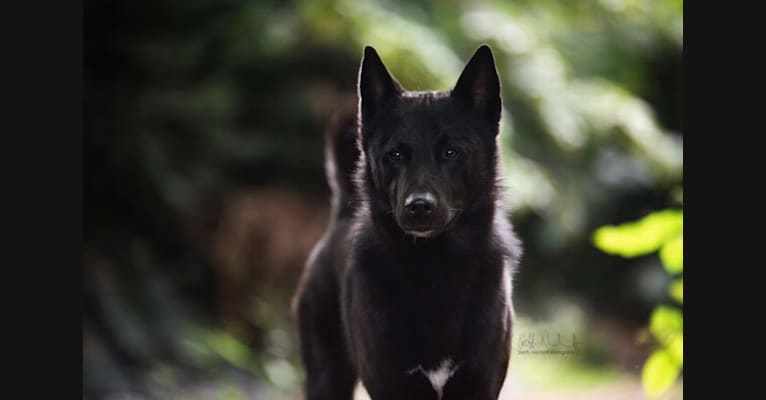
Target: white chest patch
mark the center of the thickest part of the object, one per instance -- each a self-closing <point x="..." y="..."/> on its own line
<point x="439" y="375"/>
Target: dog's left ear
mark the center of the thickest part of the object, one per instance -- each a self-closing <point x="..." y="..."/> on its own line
<point x="479" y="86"/>
<point x="376" y="85"/>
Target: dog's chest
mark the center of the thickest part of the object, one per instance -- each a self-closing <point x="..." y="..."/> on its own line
<point x="432" y="317"/>
<point x="438" y="375"/>
<point x="429" y="312"/>
<point x="432" y="307"/>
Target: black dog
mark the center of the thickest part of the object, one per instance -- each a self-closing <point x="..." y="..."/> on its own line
<point x="410" y="289"/>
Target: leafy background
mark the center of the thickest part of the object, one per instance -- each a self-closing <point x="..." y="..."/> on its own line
<point x="204" y="187"/>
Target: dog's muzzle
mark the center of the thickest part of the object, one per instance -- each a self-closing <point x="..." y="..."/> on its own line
<point x="421" y="215"/>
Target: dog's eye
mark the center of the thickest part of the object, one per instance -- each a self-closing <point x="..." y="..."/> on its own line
<point x="450" y="154"/>
<point x="395" y="155"/>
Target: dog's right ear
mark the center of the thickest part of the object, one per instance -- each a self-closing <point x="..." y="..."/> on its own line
<point x="376" y="85"/>
<point x="479" y="86"/>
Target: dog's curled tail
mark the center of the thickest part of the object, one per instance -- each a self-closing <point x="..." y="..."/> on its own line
<point x="341" y="156"/>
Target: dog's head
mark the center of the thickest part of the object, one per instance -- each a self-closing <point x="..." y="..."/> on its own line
<point x="428" y="156"/>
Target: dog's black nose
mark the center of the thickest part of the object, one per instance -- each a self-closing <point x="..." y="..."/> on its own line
<point x="420" y="205"/>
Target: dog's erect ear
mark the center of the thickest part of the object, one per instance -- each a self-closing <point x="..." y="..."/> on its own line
<point x="479" y="87"/>
<point x="376" y="85"/>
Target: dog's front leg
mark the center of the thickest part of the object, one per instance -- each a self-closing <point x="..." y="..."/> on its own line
<point x="477" y="382"/>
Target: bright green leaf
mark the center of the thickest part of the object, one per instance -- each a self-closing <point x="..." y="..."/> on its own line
<point x="676" y="349"/>
<point x="666" y="323"/>
<point x="641" y="237"/>
<point x="677" y="290"/>
<point x="672" y="255"/>
<point x="659" y="372"/>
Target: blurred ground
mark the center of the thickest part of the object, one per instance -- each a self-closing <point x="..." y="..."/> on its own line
<point x="605" y="364"/>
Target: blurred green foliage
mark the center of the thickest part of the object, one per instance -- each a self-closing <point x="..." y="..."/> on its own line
<point x="657" y="231"/>
<point x="203" y="147"/>
<point x="661" y="230"/>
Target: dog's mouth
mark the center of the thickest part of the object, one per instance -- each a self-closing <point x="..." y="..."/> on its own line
<point x="427" y="230"/>
<point x="422" y="233"/>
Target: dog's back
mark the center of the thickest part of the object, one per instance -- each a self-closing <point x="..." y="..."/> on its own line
<point x="316" y="303"/>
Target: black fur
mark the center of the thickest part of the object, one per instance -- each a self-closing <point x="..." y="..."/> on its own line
<point x="415" y="267"/>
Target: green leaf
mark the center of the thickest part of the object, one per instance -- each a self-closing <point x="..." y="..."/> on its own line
<point x="672" y="255"/>
<point x="676" y="349"/>
<point x="659" y="372"/>
<point x="677" y="290"/>
<point x="666" y="323"/>
<point x="641" y="237"/>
